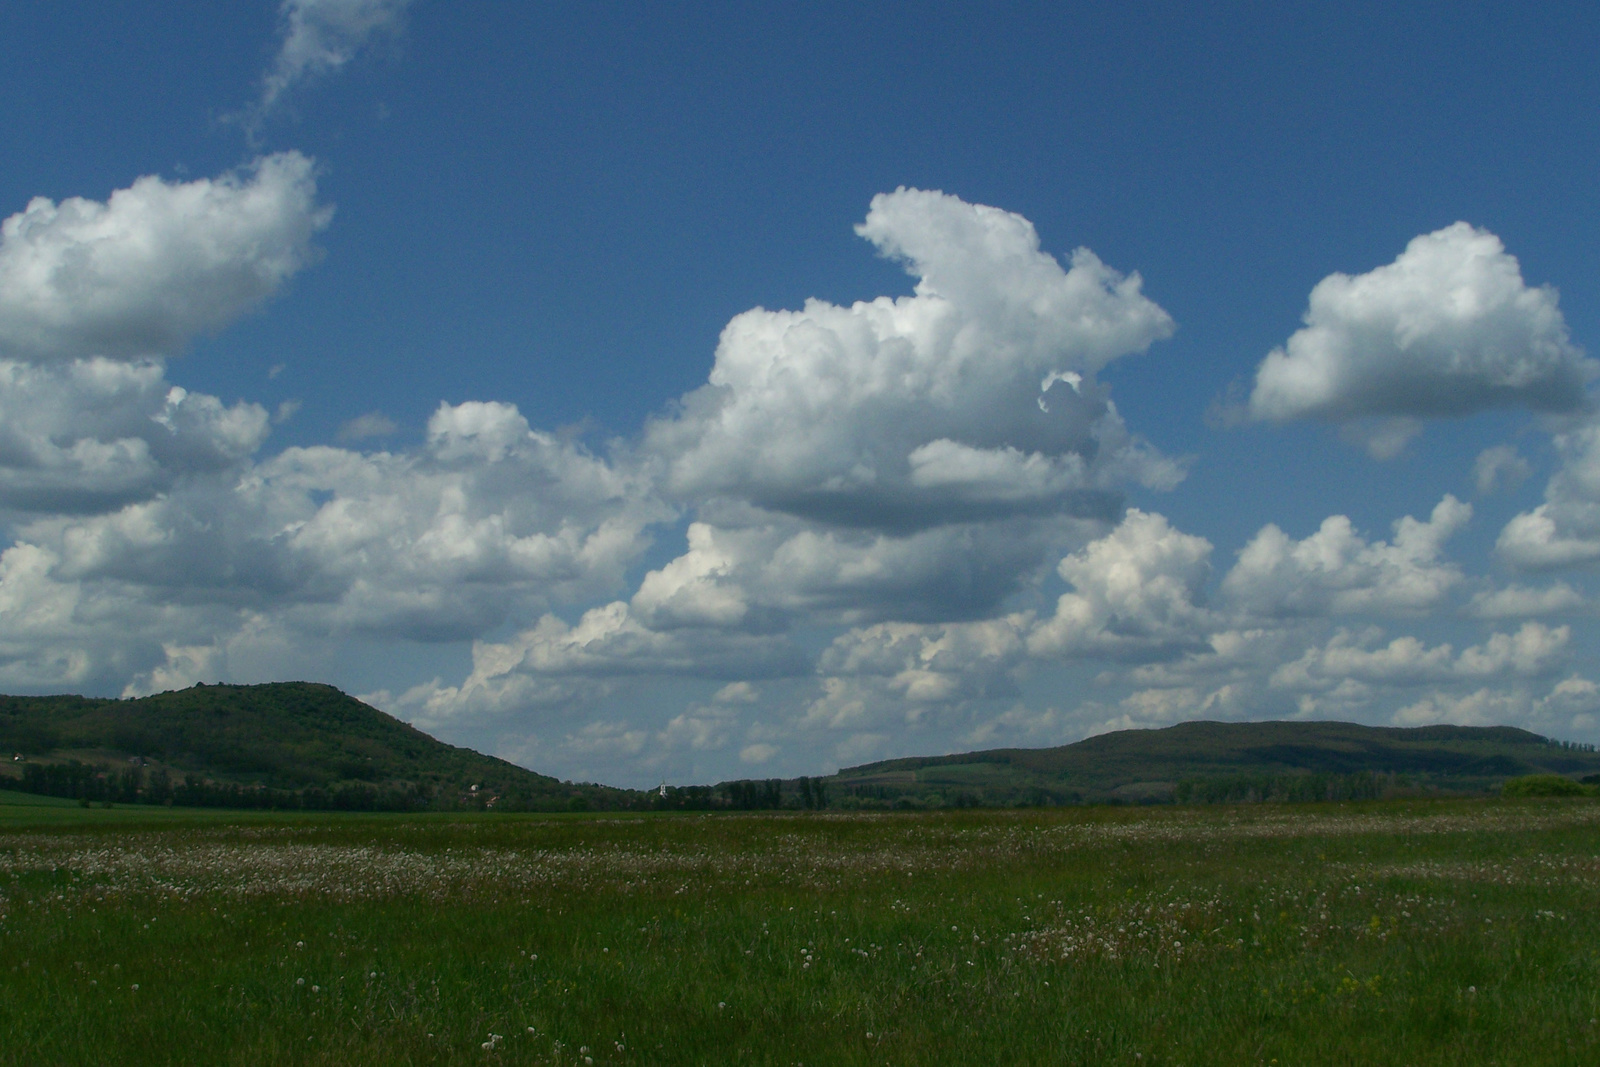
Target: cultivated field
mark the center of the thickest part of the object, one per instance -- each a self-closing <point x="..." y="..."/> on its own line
<point x="1395" y="933"/>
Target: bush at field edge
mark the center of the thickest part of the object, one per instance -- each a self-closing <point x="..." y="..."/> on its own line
<point x="1546" y="785"/>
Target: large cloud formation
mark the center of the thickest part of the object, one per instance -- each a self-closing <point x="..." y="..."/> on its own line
<point x="152" y="546"/>
<point x="94" y="296"/>
<point x="903" y="477"/>
<point x="916" y="458"/>
<point x="93" y="434"/>
<point x="972" y="399"/>
<point x="1448" y="328"/>
<point x="489" y="519"/>
<point x="902" y="518"/>
<point x="1260" y="647"/>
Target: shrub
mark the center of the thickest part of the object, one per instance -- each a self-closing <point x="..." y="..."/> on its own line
<point x="1542" y="785"/>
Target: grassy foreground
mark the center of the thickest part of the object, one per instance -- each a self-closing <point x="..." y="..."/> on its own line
<point x="1411" y="932"/>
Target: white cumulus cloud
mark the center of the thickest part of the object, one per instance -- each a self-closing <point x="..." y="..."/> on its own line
<point x="769" y="573"/>
<point x="1564" y="531"/>
<point x="1337" y="571"/>
<point x="972" y="399"/>
<point x="1136" y="592"/>
<point x="1569" y="707"/>
<point x="488" y="522"/>
<point x="1355" y="656"/>
<point x="93" y="434"/>
<point x="1518" y="600"/>
<point x="929" y="664"/>
<point x="1448" y="328"/>
<point x="142" y="273"/>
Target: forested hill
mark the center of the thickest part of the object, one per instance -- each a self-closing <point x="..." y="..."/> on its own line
<point x="282" y="744"/>
<point x="1140" y="764"/>
<point x="297" y="744"/>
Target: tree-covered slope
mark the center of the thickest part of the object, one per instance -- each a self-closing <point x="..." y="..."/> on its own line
<point x="1451" y="757"/>
<point x="281" y="736"/>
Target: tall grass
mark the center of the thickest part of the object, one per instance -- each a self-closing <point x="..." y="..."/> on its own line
<point x="1398" y="932"/>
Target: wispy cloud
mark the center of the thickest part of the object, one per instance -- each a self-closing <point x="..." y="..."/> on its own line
<point x="320" y="36"/>
<point x="372" y="424"/>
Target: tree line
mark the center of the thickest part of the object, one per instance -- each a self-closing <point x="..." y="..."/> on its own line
<point x="90" y="784"/>
<point x="1286" y="788"/>
<point x="79" y="781"/>
<point x="134" y="785"/>
<point x="808" y="794"/>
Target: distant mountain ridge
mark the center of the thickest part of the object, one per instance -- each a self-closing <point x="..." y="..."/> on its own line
<point x="1141" y="764"/>
<point x="257" y="745"/>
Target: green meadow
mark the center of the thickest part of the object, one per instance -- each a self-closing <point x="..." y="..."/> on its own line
<point x="1396" y="932"/>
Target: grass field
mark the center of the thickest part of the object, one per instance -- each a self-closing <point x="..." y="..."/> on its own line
<point x="1413" y="932"/>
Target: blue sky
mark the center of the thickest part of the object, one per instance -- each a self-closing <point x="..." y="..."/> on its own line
<point x="461" y="356"/>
